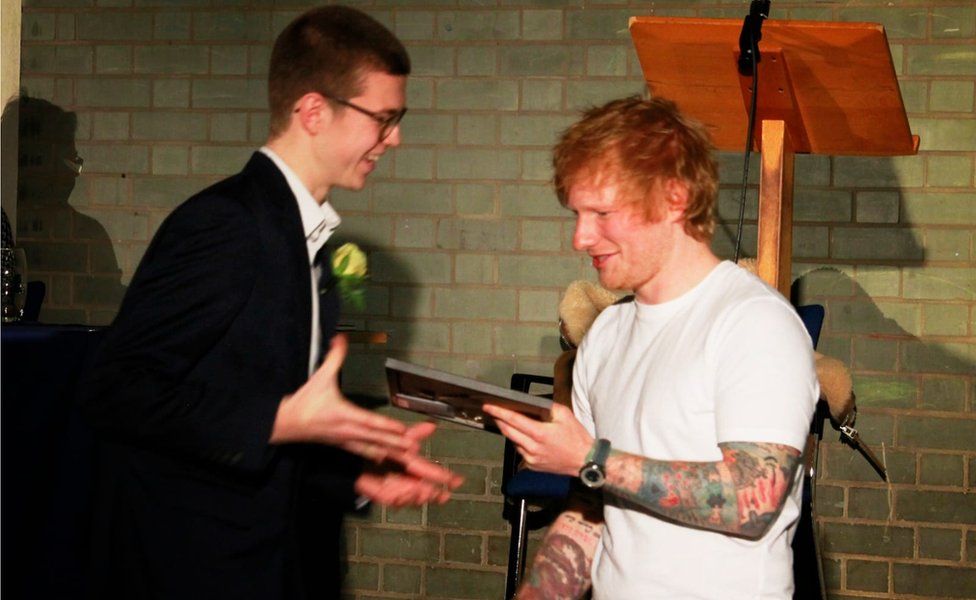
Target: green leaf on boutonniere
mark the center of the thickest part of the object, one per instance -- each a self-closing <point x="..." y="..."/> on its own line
<point x="350" y="270"/>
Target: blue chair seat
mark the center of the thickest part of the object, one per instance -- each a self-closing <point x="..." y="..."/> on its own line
<point x="527" y="483"/>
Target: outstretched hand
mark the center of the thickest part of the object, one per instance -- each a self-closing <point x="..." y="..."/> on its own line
<point x="408" y="479"/>
<point x="557" y="446"/>
<point x="319" y="413"/>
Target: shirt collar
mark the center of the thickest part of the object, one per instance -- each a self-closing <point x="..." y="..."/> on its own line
<point x="319" y="221"/>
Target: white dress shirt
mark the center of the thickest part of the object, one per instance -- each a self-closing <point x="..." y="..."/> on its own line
<point x="319" y="222"/>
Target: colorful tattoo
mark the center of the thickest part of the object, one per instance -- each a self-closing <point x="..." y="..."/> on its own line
<point x="561" y="567"/>
<point x="761" y="482"/>
<point x="742" y="494"/>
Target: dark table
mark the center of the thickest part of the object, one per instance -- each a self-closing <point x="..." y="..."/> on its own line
<point x="47" y="461"/>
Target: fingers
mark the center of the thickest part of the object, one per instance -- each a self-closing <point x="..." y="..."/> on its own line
<point x="421" y="493"/>
<point x="521" y="440"/>
<point x="400" y="448"/>
<point x="372" y="445"/>
<point x="397" y="489"/>
<point x="351" y="423"/>
<point x="514" y="419"/>
<point x="324" y="382"/>
<point x="338" y="348"/>
<point x="561" y="413"/>
<point x="424" y="469"/>
<point x="557" y="446"/>
<point x="418" y="466"/>
<point x="421" y="431"/>
<point x="414" y="492"/>
<point x="379" y="423"/>
<point x="522" y="430"/>
<point x="371" y="452"/>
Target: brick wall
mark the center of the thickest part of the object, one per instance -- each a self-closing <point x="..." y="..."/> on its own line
<point x="470" y="251"/>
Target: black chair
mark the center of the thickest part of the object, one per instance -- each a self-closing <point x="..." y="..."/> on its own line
<point x="33" y="298"/>
<point x="522" y="487"/>
<point x="807" y="567"/>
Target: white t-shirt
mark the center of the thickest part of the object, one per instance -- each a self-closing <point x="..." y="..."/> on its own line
<point x="728" y="361"/>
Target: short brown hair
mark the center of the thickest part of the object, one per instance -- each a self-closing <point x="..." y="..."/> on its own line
<point x="329" y="49"/>
<point x="638" y="143"/>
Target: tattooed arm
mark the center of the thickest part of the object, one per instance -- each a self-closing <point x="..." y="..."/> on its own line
<point x="740" y="495"/>
<point x="561" y="567"/>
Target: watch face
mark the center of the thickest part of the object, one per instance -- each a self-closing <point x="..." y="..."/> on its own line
<point x="592" y="476"/>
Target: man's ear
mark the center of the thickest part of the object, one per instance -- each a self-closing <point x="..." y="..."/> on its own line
<point x="312" y="113"/>
<point x="676" y="196"/>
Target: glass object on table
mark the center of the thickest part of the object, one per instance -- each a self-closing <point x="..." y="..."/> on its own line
<point x="13" y="261"/>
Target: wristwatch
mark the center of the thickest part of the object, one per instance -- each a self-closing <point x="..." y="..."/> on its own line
<point x="593" y="474"/>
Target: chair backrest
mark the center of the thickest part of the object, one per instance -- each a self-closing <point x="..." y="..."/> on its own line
<point x="807" y="568"/>
<point x="520" y="382"/>
<point x="812" y="316"/>
<point x="33" y="297"/>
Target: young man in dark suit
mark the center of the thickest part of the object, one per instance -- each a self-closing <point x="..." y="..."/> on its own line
<point x="216" y="425"/>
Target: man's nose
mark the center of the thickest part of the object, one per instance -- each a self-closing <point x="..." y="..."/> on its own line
<point x="583" y="233"/>
<point x="393" y="140"/>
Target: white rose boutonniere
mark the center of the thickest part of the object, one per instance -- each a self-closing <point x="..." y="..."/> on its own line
<point x="349" y="268"/>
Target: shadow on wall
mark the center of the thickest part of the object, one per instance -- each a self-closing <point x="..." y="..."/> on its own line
<point x="71" y="252"/>
<point x="871" y="336"/>
<point x="880" y="293"/>
<point x="892" y="368"/>
<point x="896" y="284"/>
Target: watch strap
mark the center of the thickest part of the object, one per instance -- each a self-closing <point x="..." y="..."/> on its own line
<point x="601" y="452"/>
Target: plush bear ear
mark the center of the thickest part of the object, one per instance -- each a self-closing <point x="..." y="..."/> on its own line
<point x="749" y="264"/>
<point x="835" y="386"/>
<point x="562" y="378"/>
<point x="580" y="305"/>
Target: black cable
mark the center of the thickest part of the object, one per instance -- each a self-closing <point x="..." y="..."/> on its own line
<point x="748" y="149"/>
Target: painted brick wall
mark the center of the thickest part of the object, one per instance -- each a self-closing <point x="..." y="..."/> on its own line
<point x="470" y="250"/>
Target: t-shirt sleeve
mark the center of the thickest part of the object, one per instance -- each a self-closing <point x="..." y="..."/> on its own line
<point x="766" y="383"/>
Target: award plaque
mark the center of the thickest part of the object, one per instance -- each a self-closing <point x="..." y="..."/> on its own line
<point x="455" y="398"/>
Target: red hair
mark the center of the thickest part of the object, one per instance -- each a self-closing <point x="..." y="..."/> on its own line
<point x="638" y="143"/>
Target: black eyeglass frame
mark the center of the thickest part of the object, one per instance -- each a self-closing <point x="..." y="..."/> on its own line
<point x="76" y="163"/>
<point x="387" y="124"/>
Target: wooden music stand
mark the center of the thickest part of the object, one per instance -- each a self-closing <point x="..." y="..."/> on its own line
<point x="824" y="88"/>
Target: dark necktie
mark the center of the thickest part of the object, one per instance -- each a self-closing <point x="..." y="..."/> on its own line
<point x="328" y="299"/>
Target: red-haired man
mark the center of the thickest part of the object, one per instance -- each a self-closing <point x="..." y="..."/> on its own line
<point x="692" y="400"/>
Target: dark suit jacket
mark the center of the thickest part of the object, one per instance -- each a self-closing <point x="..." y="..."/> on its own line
<point x="213" y="332"/>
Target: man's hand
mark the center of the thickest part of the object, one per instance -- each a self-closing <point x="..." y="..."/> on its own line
<point x="398" y="485"/>
<point x="408" y="480"/>
<point x="557" y="446"/>
<point x="402" y="470"/>
<point x="319" y="413"/>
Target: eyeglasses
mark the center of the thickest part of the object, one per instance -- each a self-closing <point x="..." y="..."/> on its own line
<point x="75" y="163"/>
<point x="388" y="120"/>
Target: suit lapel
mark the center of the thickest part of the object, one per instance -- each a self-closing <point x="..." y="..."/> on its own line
<point x="278" y="206"/>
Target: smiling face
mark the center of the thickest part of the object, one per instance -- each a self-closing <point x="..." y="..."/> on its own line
<point x="629" y="249"/>
<point x="351" y="146"/>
